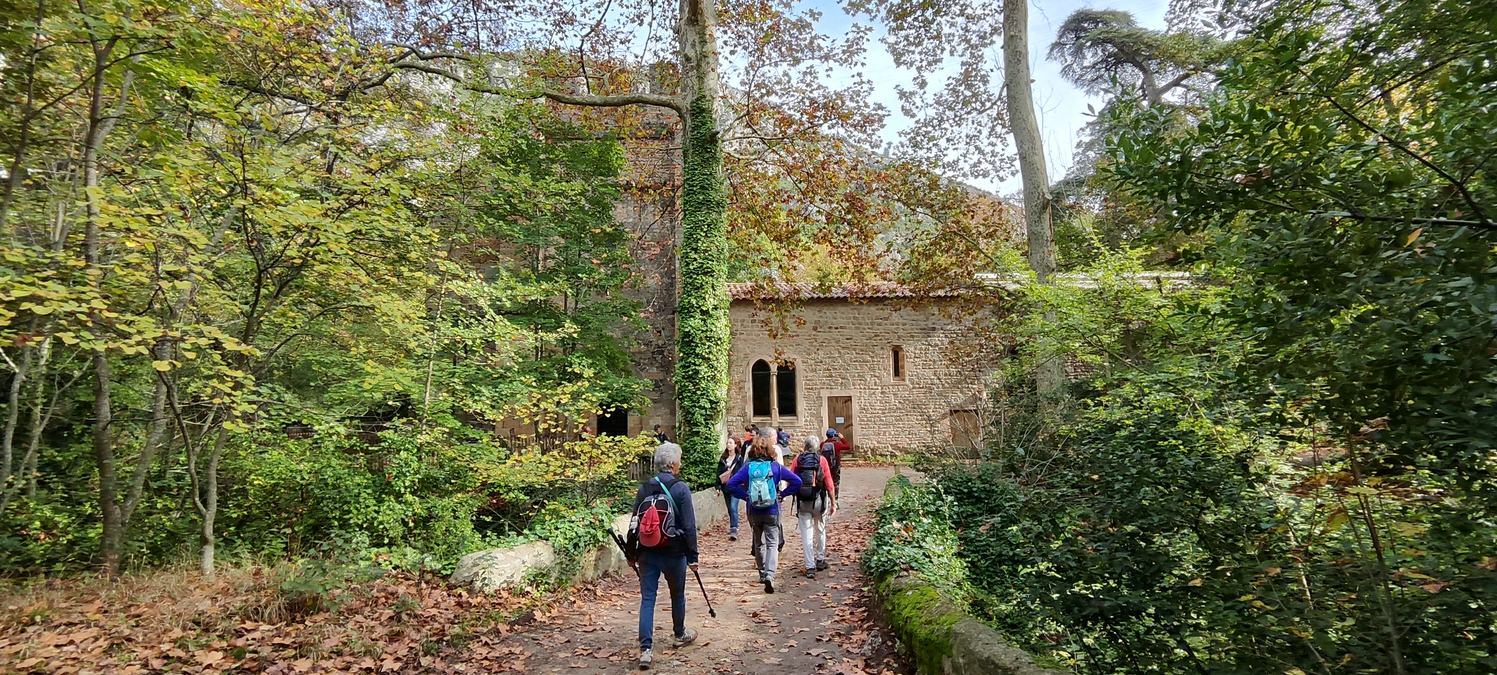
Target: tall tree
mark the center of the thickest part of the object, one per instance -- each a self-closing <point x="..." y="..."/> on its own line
<point x="1099" y="47"/>
<point x="1049" y="376"/>
<point x="590" y="52"/>
<point x="968" y="115"/>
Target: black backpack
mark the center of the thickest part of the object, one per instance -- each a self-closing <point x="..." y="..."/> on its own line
<point x="829" y="451"/>
<point x="808" y="467"/>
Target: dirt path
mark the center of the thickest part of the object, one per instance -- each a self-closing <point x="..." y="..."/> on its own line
<point x="806" y="626"/>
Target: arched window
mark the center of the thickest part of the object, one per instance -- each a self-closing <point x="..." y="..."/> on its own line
<point x="785" y="389"/>
<point x="760" y="380"/>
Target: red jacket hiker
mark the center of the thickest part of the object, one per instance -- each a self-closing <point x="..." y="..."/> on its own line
<point x="826" y="474"/>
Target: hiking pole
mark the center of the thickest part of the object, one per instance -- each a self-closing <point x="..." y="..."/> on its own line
<point x="624" y="547"/>
<point x="710" y="612"/>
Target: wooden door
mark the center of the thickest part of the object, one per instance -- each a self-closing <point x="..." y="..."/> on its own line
<point x="839" y="416"/>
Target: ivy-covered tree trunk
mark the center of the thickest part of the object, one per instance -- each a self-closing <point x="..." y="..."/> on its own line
<point x="702" y="301"/>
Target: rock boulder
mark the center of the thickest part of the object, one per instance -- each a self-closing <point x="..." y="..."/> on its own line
<point x="490" y="570"/>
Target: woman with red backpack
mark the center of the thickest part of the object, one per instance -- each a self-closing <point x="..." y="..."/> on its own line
<point x="663" y="532"/>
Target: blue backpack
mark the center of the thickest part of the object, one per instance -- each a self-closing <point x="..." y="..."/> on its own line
<point x="761" y="488"/>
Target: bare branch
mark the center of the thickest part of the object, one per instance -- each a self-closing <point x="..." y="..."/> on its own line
<point x="587" y="100"/>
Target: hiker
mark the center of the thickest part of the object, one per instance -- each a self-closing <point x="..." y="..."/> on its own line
<point x="781" y="446"/>
<point x="757" y="483"/>
<point x="815" y="500"/>
<point x="728" y="464"/>
<point x="660" y="436"/>
<point x="663" y="532"/>
<point x="832" y="450"/>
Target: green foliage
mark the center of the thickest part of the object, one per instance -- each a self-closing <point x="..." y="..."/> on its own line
<point x="1287" y="468"/>
<point x="414" y="498"/>
<point x="283" y="235"/>
<point x="914" y="534"/>
<point x="702" y="305"/>
<point x="573" y="528"/>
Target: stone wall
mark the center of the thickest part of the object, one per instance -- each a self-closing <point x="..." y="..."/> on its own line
<point x="648" y="210"/>
<point x="938" y="632"/>
<point x="843" y="347"/>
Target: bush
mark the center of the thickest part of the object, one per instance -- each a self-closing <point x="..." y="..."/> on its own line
<point x="1173" y="533"/>
<point x="417" y="499"/>
<point x="411" y="499"/>
<point x="914" y="534"/>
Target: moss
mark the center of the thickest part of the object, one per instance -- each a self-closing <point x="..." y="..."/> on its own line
<point x="702" y="301"/>
<point x="923" y="618"/>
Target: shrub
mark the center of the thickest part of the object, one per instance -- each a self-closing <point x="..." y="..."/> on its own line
<point x="914" y="534"/>
<point x="1173" y="533"/>
<point x="412" y="498"/>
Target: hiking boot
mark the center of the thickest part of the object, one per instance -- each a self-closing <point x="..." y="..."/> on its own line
<point x="645" y="658"/>
<point x="821" y="565"/>
<point x="811" y="573"/>
<point x="732" y="535"/>
<point x="768" y="584"/>
<point x="686" y="638"/>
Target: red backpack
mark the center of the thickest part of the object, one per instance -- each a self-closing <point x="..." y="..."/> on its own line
<point x="654" y="521"/>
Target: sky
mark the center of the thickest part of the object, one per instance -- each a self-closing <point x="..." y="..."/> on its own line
<point x="1060" y="106"/>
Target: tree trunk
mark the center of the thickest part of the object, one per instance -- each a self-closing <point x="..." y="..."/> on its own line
<point x="208" y="504"/>
<point x="36" y="424"/>
<point x="702" y="248"/>
<point x="99" y="126"/>
<point x="20" y="370"/>
<point x="23" y="135"/>
<point x="1032" y="172"/>
<point x="110" y="541"/>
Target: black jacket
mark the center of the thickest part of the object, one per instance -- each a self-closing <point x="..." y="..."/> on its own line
<point x="686" y="517"/>
<point x="730" y="465"/>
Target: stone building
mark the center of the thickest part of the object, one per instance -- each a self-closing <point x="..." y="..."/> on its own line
<point x="890" y="370"/>
<point x="902" y="414"/>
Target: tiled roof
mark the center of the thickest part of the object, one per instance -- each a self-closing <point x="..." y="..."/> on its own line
<point x="811" y="291"/>
<point x="981" y="283"/>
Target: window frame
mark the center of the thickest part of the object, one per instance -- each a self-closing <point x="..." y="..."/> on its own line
<point x="776" y="366"/>
<point x="769" y="389"/>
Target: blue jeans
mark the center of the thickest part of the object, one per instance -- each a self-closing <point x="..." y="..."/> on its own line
<point x="651" y="566"/>
<point x="732" y="503"/>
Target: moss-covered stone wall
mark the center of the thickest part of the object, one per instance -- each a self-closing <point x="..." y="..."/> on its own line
<point x="935" y="628"/>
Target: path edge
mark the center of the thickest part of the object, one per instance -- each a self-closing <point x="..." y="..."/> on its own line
<point x="938" y="632"/>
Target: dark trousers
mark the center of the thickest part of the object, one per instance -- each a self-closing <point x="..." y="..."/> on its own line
<point x="651" y="566"/>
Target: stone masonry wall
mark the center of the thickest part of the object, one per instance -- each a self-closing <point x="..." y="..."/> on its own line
<point x="843" y="347"/>
<point x="648" y="210"/>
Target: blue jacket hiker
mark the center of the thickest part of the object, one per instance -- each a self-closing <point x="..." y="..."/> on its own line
<point x="663" y="532"/>
<point x="758" y="484"/>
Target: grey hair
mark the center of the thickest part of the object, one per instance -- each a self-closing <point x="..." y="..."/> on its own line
<point x="667" y="455"/>
<point x="812" y="443"/>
